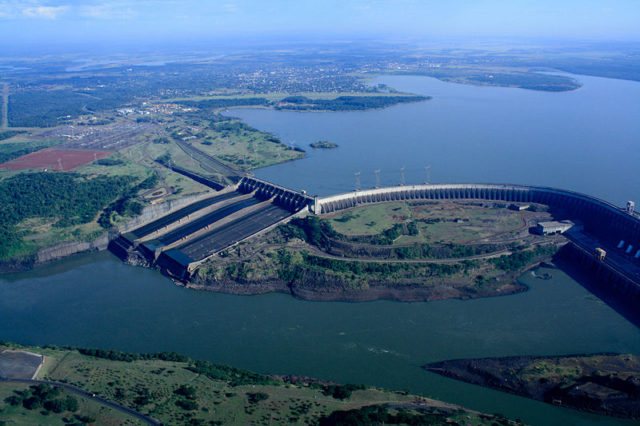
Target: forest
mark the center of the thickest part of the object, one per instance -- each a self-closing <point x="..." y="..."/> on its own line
<point x="345" y="103"/>
<point x="66" y="198"/>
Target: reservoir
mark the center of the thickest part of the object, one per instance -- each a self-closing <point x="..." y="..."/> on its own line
<point x="582" y="140"/>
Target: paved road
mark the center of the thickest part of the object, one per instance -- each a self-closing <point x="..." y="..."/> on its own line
<point x="86" y="394"/>
<point x="170" y="218"/>
<point x="233" y="232"/>
<point x="616" y="258"/>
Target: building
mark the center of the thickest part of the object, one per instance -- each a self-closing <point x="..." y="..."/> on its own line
<point x="557" y="227"/>
<point x="518" y="207"/>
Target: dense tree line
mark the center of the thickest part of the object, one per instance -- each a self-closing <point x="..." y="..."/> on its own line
<point x="43" y="396"/>
<point x="520" y="259"/>
<point x="345" y="103"/>
<point x="341" y="391"/>
<point x="69" y="198"/>
<point x="233" y="376"/>
<point x="114" y="355"/>
<point x="225" y="102"/>
<point x="49" y="108"/>
<point x="380" y="415"/>
<point x="6" y="134"/>
<point x="9" y="151"/>
<point x="379" y="270"/>
<point x="126" y="205"/>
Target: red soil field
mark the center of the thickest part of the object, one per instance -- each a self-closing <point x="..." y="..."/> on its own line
<point x="54" y="159"/>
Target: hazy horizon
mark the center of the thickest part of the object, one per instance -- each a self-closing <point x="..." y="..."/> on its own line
<point x="26" y="25"/>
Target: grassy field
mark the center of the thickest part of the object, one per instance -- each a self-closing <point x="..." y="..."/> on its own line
<point x="450" y="222"/>
<point x="169" y="392"/>
<point x="245" y="147"/>
<point x="87" y="410"/>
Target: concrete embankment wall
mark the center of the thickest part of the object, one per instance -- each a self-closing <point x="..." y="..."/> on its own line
<point x="602" y="219"/>
<point x="148" y="214"/>
<point x="610" y="285"/>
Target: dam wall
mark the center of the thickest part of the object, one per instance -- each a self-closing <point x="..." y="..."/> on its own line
<point x="293" y="201"/>
<point x="614" y="286"/>
<point x="602" y="219"/>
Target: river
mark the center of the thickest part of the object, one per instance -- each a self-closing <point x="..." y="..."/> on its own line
<point x="94" y="300"/>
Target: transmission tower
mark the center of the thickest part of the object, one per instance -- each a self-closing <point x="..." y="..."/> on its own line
<point x="378" y="178"/>
<point x="357" y="175"/>
<point x="402" y="176"/>
<point x="427" y="170"/>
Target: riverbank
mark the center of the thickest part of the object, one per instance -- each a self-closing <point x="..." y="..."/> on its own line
<point x="606" y="384"/>
<point x="174" y="389"/>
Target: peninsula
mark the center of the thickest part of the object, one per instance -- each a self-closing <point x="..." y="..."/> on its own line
<point x="607" y="384"/>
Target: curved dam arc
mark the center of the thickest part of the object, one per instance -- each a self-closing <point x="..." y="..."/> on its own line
<point x="602" y="219"/>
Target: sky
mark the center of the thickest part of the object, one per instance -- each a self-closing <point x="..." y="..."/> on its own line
<point x="68" y="21"/>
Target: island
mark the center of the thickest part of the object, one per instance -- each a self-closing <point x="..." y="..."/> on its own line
<point x="323" y="145"/>
<point x="607" y="384"/>
<point x="77" y="385"/>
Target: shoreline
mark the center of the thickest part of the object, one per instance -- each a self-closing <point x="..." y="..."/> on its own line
<point x="375" y="292"/>
<point x="600" y="383"/>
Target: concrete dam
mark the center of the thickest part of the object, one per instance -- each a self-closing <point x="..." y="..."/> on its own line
<point x="602" y="219"/>
<point x="182" y="239"/>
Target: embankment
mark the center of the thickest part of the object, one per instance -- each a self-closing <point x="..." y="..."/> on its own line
<point x="69" y="248"/>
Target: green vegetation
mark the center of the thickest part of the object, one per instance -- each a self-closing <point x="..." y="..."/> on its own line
<point x="10" y="151"/>
<point x="605" y="384"/>
<point x="341" y="391"/>
<point x="65" y="198"/>
<point x="345" y="103"/>
<point x="501" y="77"/>
<point x="126" y="205"/>
<point x="233" y="376"/>
<point x="177" y="390"/>
<point x="323" y="145"/>
<point x="109" y="162"/>
<point x="242" y="146"/>
<point x="50" y="108"/>
<point x="128" y="357"/>
<point x="520" y="259"/>
<point x="42" y="404"/>
<point x="225" y="102"/>
<point x="320" y="233"/>
<point x="7" y="134"/>
<point x="311" y="259"/>
<point x="383" y="415"/>
<point x="43" y="396"/>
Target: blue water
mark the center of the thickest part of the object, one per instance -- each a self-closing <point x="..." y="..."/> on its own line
<point x="585" y="140"/>
<point x="582" y="140"/>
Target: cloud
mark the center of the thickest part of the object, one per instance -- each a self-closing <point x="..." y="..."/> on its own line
<point x="115" y="10"/>
<point x="46" y="12"/>
<point x="230" y="7"/>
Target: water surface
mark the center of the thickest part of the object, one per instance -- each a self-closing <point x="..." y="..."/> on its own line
<point x="584" y="140"/>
